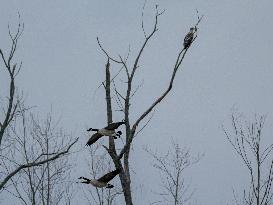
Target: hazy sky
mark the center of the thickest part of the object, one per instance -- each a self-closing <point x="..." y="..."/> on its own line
<point x="229" y="64"/>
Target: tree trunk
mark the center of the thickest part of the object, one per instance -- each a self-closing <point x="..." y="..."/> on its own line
<point x="124" y="174"/>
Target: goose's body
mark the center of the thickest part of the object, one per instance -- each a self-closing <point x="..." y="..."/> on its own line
<point x="189" y="38"/>
<point x="106" y="131"/>
<point x="103" y="181"/>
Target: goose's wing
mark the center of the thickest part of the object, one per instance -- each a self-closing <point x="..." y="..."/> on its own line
<point x="114" y="125"/>
<point x="93" y="138"/>
<point x="109" y="176"/>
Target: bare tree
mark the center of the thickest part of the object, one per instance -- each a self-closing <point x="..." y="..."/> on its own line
<point x="246" y="139"/>
<point x="19" y="150"/>
<point x="99" y="164"/>
<point x="121" y="158"/>
<point x="47" y="183"/>
<point x="171" y="167"/>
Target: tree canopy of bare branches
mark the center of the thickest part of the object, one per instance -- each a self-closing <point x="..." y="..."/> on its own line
<point x="246" y="139"/>
<point x="25" y="145"/>
<point x="44" y="150"/>
<point x="171" y="167"/>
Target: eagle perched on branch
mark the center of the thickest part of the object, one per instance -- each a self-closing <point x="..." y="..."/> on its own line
<point x="189" y="38"/>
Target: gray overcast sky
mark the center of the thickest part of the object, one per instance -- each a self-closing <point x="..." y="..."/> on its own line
<point x="230" y="63"/>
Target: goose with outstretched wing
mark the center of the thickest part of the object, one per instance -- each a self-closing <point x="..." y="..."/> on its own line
<point x="109" y="130"/>
<point x="103" y="181"/>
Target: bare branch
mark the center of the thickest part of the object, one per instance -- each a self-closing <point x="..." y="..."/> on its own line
<point x="11" y="107"/>
<point x="3" y="58"/>
<point x="104" y="51"/>
<point x="145" y="124"/>
<point x="137" y="88"/>
<point x="142" y="16"/>
<point x="33" y="164"/>
<point x="135" y="66"/>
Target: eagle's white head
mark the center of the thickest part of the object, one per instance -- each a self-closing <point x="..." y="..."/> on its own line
<point x="192" y="29"/>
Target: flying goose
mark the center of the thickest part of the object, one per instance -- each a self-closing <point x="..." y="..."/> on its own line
<point x="103" y="181"/>
<point x="106" y="131"/>
<point x="189" y="38"/>
<point x="97" y="136"/>
<point x="111" y="126"/>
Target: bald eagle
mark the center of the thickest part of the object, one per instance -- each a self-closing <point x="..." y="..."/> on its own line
<point x="189" y="38"/>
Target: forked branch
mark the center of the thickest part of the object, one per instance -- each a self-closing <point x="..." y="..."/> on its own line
<point x="12" y="71"/>
<point x="179" y="60"/>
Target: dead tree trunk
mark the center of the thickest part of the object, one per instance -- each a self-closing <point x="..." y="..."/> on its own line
<point x="125" y="181"/>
